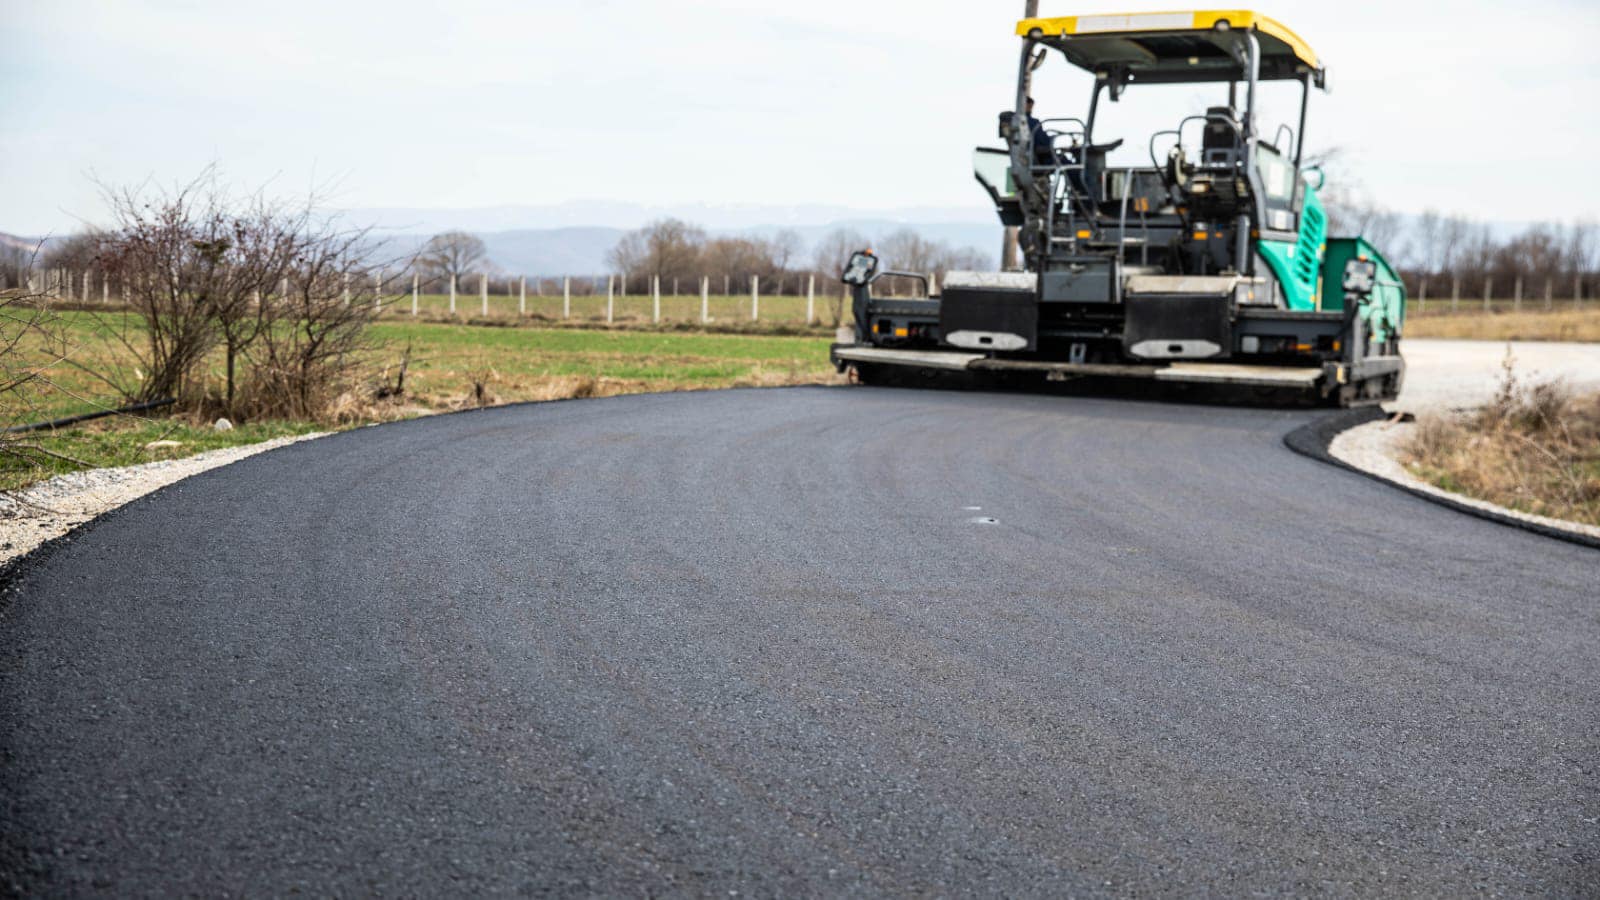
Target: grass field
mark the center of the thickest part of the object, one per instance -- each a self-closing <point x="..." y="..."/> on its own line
<point x="1538" y="325"/>
<point x="451" y="366"/>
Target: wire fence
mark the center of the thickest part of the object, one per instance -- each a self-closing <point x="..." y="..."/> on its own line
<point x="795" y="299"/>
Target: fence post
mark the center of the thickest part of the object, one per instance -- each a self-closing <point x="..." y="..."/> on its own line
<point x="522" y="295"/>
<point x="725" y="289"/>
<point x="344" y="287"/>
<point x="566" y="296"/>
<point x="86" y="285"/>
<point x="705" y="299"/>
<point x="1516" y="294"/>
<point x="811" y="299"/>
<point x="1455" y="293"/>
<point x="1422" y="295"/>
<point x="1577" y="292"/>
<point x="655" y="296"/>
<point x="483" y="292"/>
<point x="609" y="300"/>
<point x="538" y="286"/>
<point x="105" y="289"/>
<point x="414" y="280"/>
<point x="1488" y="289"/>
<point x="1548" y="288"/>
<point x="674" y="285"/>
<point x="755" y="298"/>
<point x="377" y="289"/>
<point x="284" y="289"/>
<point x="452" y="295"/>
<point x="255" y="297"/>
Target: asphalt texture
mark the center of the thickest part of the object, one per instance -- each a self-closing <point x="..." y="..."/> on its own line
<point x="818" y="641"/>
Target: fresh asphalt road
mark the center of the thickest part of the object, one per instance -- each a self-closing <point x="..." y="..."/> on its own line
<point x="756" y="642"/>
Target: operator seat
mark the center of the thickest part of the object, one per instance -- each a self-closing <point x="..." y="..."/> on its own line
<point x="1222" y="141"/>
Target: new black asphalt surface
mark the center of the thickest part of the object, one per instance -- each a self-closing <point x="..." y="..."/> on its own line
<point x="761" y="642"/>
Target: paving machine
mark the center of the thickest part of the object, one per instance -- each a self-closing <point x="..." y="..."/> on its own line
<point x="1210" y="265"/>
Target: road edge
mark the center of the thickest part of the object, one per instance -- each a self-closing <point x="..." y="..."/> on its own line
<point x="1314" y="438"/>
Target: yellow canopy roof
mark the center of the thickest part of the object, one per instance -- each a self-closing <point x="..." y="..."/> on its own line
<point x="1142" y="40"/>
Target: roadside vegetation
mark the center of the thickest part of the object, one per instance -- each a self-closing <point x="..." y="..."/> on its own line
<point x="1535" y="448"/>
<point x="245" y="319"/>
<point x="408" y="369"/>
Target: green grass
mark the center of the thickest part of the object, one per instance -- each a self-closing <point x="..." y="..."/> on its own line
<point x="121" y="442"/>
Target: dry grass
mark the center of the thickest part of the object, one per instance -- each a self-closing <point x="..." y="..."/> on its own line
<point x="1535" y="448"/>
<point x="1560" y="325"/>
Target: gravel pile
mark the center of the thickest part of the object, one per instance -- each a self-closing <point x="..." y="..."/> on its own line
<point x="49" y="509"/>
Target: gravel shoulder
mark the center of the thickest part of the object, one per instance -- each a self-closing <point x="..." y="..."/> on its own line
<point x="1446" y="376"/>
<point x="45" y="511"/>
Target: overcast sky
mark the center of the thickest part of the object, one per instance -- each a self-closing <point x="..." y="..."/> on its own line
<point x="1488" y="109"/>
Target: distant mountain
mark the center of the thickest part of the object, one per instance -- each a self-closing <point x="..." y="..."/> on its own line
<point x="26" y="245"/>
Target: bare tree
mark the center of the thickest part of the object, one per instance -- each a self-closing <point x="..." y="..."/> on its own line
<point x="451" y="254"/>
<point x="666" y="248"/>
<point x="787" y="245"/>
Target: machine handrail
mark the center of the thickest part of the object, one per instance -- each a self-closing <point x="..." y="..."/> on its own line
<point x="1174" y="131"/>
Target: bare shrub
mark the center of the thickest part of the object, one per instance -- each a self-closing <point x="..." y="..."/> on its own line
<point x="1534" y="447"/>
<point x="311" y="343"/>
<point x="283" y="294"/>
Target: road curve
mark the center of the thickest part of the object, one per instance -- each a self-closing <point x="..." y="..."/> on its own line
<point x="758" y="641"/>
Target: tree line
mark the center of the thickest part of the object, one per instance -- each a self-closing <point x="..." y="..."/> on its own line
<point x="673" y="249"/>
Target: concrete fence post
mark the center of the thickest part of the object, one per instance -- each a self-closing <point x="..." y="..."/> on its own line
<point x="726" y="290"/>
<point x="86" y="285"/>
<point x="655" y="297"/>
<point x="755" y="298"/>
<point x="1455" y="293"/>
<point x="483" y="292"/>
<point x="1577" y="292"/>
<point x="105" y="289"/>
<point x="566" y="296"/>
<point x="255" y="297"/>
<point x="344" y="287"/>
<point x="414" y="286"/>
<point x="452" y="295"/>
<point x="283" y="290"/>
<point x="1516" y="294"/>
<point x="538" y="287"/>
<point x="610" y="300"/>
<point x="705" y="299"/>
<point x="522" y="295"/>
<point x="674" y="285"/>
<point x="377" y="289"/>
<point x="1488" y="290"/>
<point x="811" y="299"/>
<point x="1549" y="289"/>
<point x="1422" y="295"/>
